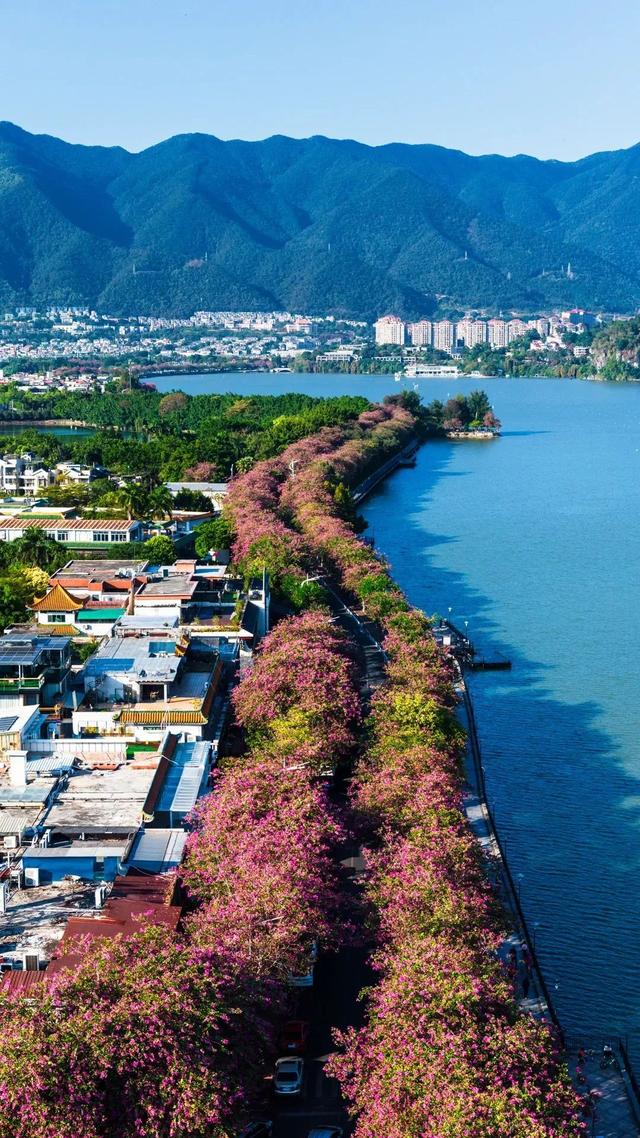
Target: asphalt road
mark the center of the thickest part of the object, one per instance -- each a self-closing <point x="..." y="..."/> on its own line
<point x="332" y="1002"/>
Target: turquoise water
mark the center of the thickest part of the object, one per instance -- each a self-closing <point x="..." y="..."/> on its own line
<point x="534" y="539"/>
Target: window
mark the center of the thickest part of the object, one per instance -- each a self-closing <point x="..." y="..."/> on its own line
<point x="56" y="618"/>
<point x="62" y="535"/>
<point x="118" y="537"/>
<point x="101" y="535"/>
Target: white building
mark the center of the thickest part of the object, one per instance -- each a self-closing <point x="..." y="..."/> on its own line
<point x="389" y="330"/>
<point x="23" y="475"/>
<point x="443" y="335"/>
<point x="74" y="531"/>
<point x="497" y="332"/>
<point x="516" y="329"/>
<point x="421" y="333"/>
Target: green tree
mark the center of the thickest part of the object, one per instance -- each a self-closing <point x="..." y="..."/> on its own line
<point x="160" y="549"/>
<point x="36" y="548"/>
<point x="173" y="403"/>
<point x="160" y="502"/>
<point x="133" y="499"/>
<point x="216" y="534"/>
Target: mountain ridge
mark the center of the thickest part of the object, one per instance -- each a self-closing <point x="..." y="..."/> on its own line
<point x="319" y="224"/>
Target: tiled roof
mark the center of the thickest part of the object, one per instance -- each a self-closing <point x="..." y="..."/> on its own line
<point x="161" y="716"/>
<point x="64" y="630"/>
<point x="57" y="599"/>
<point x="114" y="525"/>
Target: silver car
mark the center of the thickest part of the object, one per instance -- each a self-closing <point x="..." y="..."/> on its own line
<point x="289" y="1075"/>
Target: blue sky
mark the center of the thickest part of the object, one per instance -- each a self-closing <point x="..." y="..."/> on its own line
<point x="546" y="78"/>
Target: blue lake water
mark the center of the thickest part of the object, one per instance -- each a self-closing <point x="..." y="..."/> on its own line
<point x="534" y="539"/>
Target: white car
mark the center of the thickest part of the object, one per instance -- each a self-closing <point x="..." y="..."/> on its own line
<point x="289" y="1075"/>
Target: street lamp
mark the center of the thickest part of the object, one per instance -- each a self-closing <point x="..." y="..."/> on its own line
<point x="536" y="926"/>
<point x="519" y="877"/>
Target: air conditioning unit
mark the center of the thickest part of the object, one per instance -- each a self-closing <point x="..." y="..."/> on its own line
<point x="31" y="961"/>
<point x="10" y="841"/>
<point x="31" y="877"/>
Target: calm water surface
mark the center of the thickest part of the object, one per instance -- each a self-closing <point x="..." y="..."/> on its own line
<point x="534" y="539"/>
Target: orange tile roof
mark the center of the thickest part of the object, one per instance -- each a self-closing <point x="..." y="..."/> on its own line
<point x="57" y="599"/>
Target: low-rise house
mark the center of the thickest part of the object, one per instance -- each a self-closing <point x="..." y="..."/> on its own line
<point x="34" y="670"/>
<point x="143" y="686"/>
<point x="72" y="614"/>
<point x="79" y="473"/>
<point x="216" y="491"/>
<point x="24" y="474"/>
<point x="74" y="531"/>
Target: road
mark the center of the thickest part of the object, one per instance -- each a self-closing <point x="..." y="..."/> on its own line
<point x="339" y="977"/>
<point x="331" y="1003"/>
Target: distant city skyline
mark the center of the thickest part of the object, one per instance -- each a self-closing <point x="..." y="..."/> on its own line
<point x="504" y="79"/>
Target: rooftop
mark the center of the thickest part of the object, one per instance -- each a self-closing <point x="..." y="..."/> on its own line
<point x="144" y="657"/>
<point x="26" y="650"/>
<point x="36" y="918"/>
<point x="95" y="568"/>
<point x="157" y="850"/>
<point x="103" y="801"/>
<point x="174" y="585"/>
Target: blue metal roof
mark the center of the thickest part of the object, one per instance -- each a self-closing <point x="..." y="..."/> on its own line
<point x="184" y="778"/>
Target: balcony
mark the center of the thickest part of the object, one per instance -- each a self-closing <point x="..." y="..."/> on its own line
<point x="17" y="684"/>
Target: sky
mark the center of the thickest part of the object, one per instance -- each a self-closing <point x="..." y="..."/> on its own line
<point x="557" y="80"/>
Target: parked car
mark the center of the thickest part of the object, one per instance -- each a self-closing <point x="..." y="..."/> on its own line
<point x="288" y="1076"/>
<point x="260" y="1128"/>
<point x="294" y="1036"/>
<point x="326" y="1132"/>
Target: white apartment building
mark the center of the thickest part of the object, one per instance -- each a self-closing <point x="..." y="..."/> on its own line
<point x="443" y="335"/>
<point x="23" y="475"/>
<point x="421" y="333"/>
<point x="471" y="332"/>
<point x="516" y="329"/>
<point x="389" y="330"/>
<point x="497" y="333"/>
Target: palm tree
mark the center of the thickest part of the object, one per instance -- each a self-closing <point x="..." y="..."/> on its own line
<point x="36" y="548"/>
<point x="133" y="499"/>
<point x="161" y="502"/>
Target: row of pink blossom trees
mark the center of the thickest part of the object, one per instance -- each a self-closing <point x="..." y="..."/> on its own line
<point x="445" y="1050"/>
<point x="260" y="860"/>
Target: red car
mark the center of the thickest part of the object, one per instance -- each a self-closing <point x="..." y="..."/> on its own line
<point x="294" y="1036"/>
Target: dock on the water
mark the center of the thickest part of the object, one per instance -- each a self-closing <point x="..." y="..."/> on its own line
<point x="463" y="649"/>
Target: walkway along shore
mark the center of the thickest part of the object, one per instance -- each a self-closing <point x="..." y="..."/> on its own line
<point x="613" y="1107"/>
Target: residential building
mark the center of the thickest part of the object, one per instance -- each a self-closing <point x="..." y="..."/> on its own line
<point x="516" y="329"/>
<point x="74" y="531"/>
<point x="143" y="686"/>
<point x="77" y="472"/>
<point x="34" y="670"/>
<point x="70" y="614"/>
<point x="421" y="333"/>
<point x="443" y="335"/>
<point x="497" y="333"/>
<point x="24" y="475"/>
<point x="389" y="330"/>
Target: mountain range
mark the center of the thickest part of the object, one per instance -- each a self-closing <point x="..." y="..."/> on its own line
<point x="314" y="225"/>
